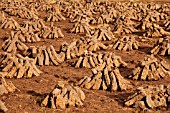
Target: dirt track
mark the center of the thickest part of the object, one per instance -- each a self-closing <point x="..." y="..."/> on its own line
<point x="33" y="90"/>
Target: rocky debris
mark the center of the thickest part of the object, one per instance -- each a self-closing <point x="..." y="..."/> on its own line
<point x="80" y="47"/>
<point x="17" y="66"/>
<point x="162" y="47"/>
<point x="21" y="12"/>
<point x="9" y="23"/>
<point x="5" y="87"/>
<point x="149" y="97"/>
<point x="105" y="79"/>
<point x="81" y="27"/>
<point x="102" y="32"/>
<point x="91" y="60"/>
<point x="63" y="96"/>
<point x="13" y="43"/>
<point x="46" y="55"/>
<point x="126" y="43"/>
<point x="151" y="69"/>
<point x="55" y="16"/>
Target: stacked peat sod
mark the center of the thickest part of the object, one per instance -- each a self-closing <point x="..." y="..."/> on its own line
<point x="157" y="31"/>
<point x="162" y="47"/>
<point x="5" y="88"/>
<point x="167" y="26"/>
<point x="21" y="12"/>
<point x="9" y="23"/>
<point x="38" y="28"/>
<point x="32" y="4"/>
<point x="2" y="17"/>
<point x="126" y="43"/>
<point x="150" y="97"/>
<point x="105" y="78"/>
<point x="17" y="66"/>
<point x="92" y="60"/>
<point x="81" y="46"/>
<point x="44" y="6"/>
<point x="13" y="43"/>
<point x="123" y="27"/>
<point x="54" y="16"/>
<point x="102" y="19"/>
<point x="101" y="32"/>
<point x="26" y="37"/>
<point x="3" y="107"/>
<point x="63" y="96"/>
<point x="46" y="55"/>
<point x="34" y="25"/>
<point x="76" y="14"/>
<point x="9" y="3"/>
<point x="106" y="75"/>
<point x="52" y="32"/>
<point x="126" y="19"/>
<point x="154" y="24"/>
<point x="81" y="27"/>
<point x="151" y="69"/>
<point x="78" y="17"/>
<point x="134" y="18"/>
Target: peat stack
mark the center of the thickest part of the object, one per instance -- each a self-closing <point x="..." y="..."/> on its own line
<point x="63" y="96"/>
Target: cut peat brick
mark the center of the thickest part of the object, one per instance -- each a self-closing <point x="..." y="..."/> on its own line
<point x="106" y="79"/>
<point x="162" y="47"/>
<point x="149" y="97"/>
<point x="151" y="69"/>
<point x="63" y="96"/>
<point x="17" y="66"/>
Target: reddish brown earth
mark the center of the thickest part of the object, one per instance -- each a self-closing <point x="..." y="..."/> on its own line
<point x="31" y="91"/>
